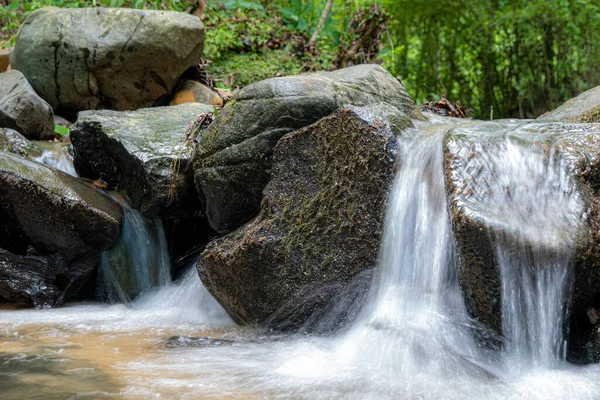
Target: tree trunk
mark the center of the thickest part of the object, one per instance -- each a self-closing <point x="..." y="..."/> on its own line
<point x="321" y="24"/>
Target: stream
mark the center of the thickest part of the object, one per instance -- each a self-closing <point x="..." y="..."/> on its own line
<point x="412" y="339"/>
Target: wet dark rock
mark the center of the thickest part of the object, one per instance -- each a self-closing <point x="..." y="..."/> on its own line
<point x="115" y="58"/>
<point x="579" y="147"/>
<point x="143" y="154"/>
<point x="319" y="226"/>
<point x="22" y="109"/>
<point x="233" y="159"/>
<point x="54" y="228"/>
<point x="30" y="279"/>
<point x="583" y="108"/>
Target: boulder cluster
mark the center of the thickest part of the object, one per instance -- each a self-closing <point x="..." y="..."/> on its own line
<point x="283" y="186"/>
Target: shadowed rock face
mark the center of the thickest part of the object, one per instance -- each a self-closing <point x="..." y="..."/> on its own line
<point x="143" y="154"/>
<point x="319" y="226"/>
<point x="115" y="58"/>
<point x="22" y="109"/>
<point x="54" y="228"/>
<point x="578" y="149"/>
<point x="232" y="163"/>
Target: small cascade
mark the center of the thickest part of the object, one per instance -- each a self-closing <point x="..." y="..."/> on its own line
<point x="526" y="196"/>
<point x="416" y="322"/>
<point x="56" y="155"/>
<point x="186" y="300"/>
<point x="138" y="261"/>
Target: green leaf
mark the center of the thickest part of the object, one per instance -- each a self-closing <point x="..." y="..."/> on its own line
<point x="13" y="5"/>
<point x="61" y="131"/>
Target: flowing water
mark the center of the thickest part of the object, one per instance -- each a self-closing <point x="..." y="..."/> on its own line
<point x="138" y="261"/>
<point x="412" y="340"/>
<point x="56" y="155"/>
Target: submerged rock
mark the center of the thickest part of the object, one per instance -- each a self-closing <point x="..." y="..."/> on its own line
<point x="116" y="58"/>
<point x="476" y="229"/>
<point x="583" y="108"/>
<point x="142" y="153"/>
<point x="232" y="162"/>
<point x="22" y="109"/>
<point x="320" y="222"/>
<point x="54" y="228"/>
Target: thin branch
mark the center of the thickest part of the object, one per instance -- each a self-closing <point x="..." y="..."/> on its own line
<point x="321" y="24"/>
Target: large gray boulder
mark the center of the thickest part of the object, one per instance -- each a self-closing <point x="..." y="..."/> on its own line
<point x="115" y="58"/>
<point x="54" y="228"/>
<point x="480" y="224"/>
<point x="583" y="108"/>
<point x="319" y="226"/>
<point x="22" y="109"/>
<point x="143" y="153"/>
<point x="232" y="162"/>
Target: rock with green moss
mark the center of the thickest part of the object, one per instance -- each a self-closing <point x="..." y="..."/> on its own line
<point x="54" y="228"/>
<point x="479" y="226"/>
<point x="116" y="58"/>
<point x="141" y="153"/>
<point x="233" y="159"/>
<point x="22" y="109"/>
<point x="583" y="108"/>
<point x="319" y="226"/>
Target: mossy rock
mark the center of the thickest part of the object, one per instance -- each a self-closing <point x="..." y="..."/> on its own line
<point x="319" y="226"/>
<point x="233" y="159"/>
<point x="141" y="153"/>
<point x="584" y="108"/>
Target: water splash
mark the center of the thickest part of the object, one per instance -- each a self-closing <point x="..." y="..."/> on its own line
<point x="186" y="300"/>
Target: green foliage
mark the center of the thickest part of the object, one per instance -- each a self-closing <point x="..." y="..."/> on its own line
<point x="523" y="57"/>
<point x="243" y="5"/>
<point x="299" y="15"/>
<point x="241" y="69"/>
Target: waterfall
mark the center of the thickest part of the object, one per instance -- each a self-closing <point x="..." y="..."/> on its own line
<point x="415" y="322"/>
<point x="138" y="261"/>
<point x="523" y="192"/>
<point x="415" y="327"/>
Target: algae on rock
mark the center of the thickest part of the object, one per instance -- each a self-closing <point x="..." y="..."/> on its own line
<point x="232" y="162"/>
<point x="320" y="222"/>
